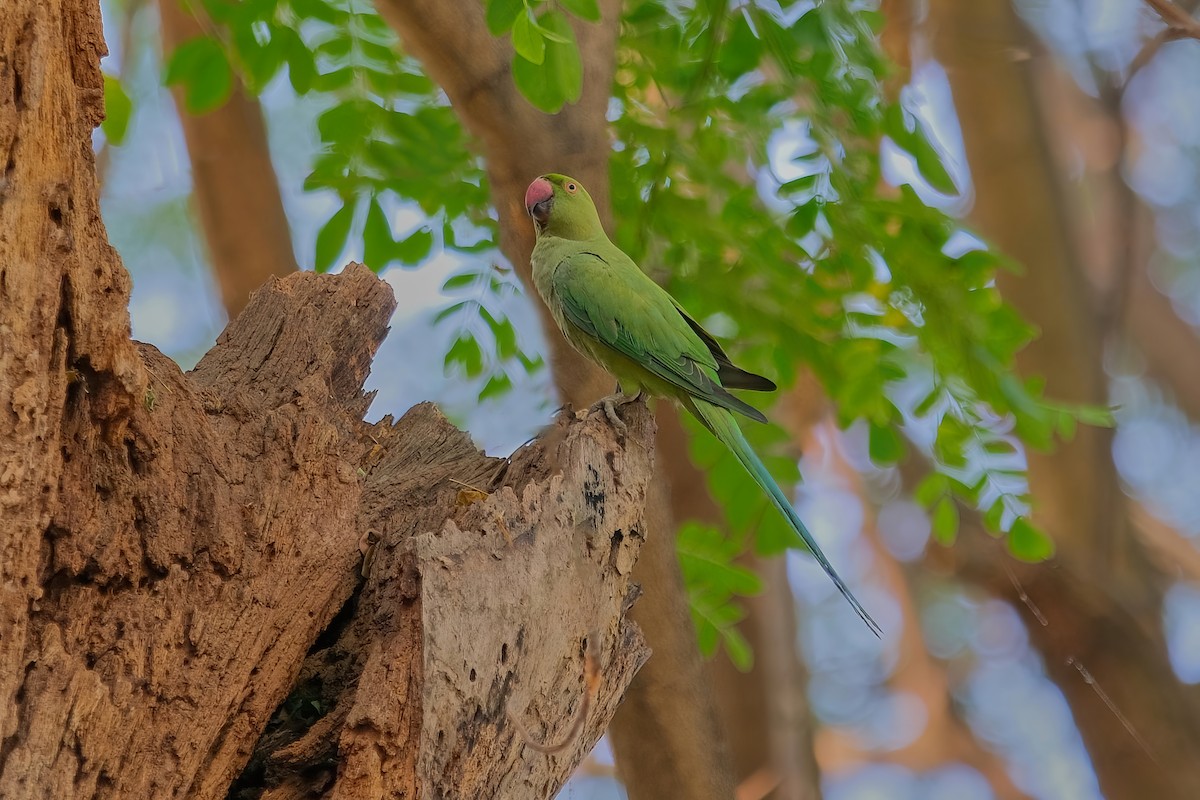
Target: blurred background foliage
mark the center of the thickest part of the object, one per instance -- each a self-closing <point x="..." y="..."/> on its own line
<point x="809" y="200"/>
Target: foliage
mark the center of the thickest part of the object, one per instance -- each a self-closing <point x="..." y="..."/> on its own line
<point x="201" y="67"/>
<point x="706" y="556"/>
<point x="547" y="68"/>
<point x="835" y="270"/>
<point x="487" y="342"/>
<point x="806" y="259"/>
<point x="118" y="110"/>
<point x="390" y="141"/>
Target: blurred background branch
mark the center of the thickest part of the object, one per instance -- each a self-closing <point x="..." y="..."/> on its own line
<point x="1179" y="21"/>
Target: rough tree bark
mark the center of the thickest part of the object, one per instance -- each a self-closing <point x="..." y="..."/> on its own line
<point x="666" y="736"/>
<point x="174" y="545"/>
<point x="246" y="230"/>
<point x="1101" y="597"/>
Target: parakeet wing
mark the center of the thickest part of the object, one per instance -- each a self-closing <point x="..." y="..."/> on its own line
<point x="629" y="313"/>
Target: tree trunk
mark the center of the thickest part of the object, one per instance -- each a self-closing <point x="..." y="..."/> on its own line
<point x="246" y="230"/>
<point x="175" y="544"/>
<point x="1101" y="598"/>
<point x="766" y="710"/>
<point x="667" y="739"/>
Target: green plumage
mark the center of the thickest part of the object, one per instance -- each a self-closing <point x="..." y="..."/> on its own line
<point x="612" y="312"/>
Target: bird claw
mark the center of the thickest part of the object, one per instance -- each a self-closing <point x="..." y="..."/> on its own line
<point x="609" y="405"/>
<point x="610" y="410"/>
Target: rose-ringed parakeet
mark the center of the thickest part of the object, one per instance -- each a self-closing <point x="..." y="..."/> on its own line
<point x="614" y="314"/>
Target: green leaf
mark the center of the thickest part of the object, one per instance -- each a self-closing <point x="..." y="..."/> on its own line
<point x="802" y="185"/>
<point x="804" y="219"/>
<point x="496" y="386"/>
<point x="741" y="50"/>
<point x="201" y="67"/>
<point x="932" y="162"/>
<point x="716" y="620"/>
<point x="738" y="649"/>
<point x="909" y="133"/>
<point x="506" y="339"/>
<point x="562" y="58"/>
<point x="549" y="35"/>
<point x="460" y="281"/>
<point x="1066" y="425"/>
<point x="558" y="80"/>
<point x="945" y="521"/>
<point x="993" y="515"/>
<point x="885" y="445"/>
<point x="302" y="70"/>
<point x="118" y="109"/>
<point x="1029" y="543"/>
<point x="415" y="248"/>
<point x="931" y="487"/>
<point x="260" y="60"/>
<point x="331" y="239"/>
<point x="465" y="352"/>
<point x="335" y="80"/>
<point x="527" y="40"/>
<point x="716" y="568"/>
<point x="1096" y="416"/>
<point x="501" y="14"/>
<point x="449" y="311"/>
<point x="343" y="122"/>
<point x="584" y="9"/>
<point x="338" y="46"/>
<point x="707" y="635"/>
<point x="377" y="237"/>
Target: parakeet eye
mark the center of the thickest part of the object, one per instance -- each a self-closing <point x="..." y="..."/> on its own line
<point x="572" y="188"/>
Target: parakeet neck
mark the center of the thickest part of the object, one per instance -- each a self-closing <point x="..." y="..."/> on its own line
<point x="578" y="228"/>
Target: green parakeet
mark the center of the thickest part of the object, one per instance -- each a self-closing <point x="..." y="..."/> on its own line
<point x="613" y="313"/>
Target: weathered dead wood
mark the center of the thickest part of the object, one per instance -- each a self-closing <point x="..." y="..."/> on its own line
<point x="191" y="565"/>
<point x="477" y="607"/>
<point x="62" y="293"/>
<point x="173" y="545"/>
<point x="188" y="565"/>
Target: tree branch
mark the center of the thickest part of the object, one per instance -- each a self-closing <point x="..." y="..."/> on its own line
<point x="1178" y="20"/>
<point x="1101" y="596"/>
<point x="225" y="536"/>
<point x="666" y="737"/>
<point x="234" y="185"/>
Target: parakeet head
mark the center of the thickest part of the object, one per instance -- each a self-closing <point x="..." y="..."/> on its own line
<point x="560" y="206"/>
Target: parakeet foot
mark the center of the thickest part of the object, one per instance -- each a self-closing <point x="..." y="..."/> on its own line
<point x="610" y="405"/>
<point x="610" y="410"/>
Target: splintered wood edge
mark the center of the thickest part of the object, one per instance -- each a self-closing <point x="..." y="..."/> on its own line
<point x="479" y="608"/>
<point x="514" y="593"/>
<point x="193" y="560"/>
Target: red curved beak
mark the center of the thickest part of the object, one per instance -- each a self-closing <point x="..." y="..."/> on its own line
<point x="537" y="200"/>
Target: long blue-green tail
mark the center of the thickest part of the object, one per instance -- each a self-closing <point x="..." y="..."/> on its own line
<point x="722" y="425"/>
